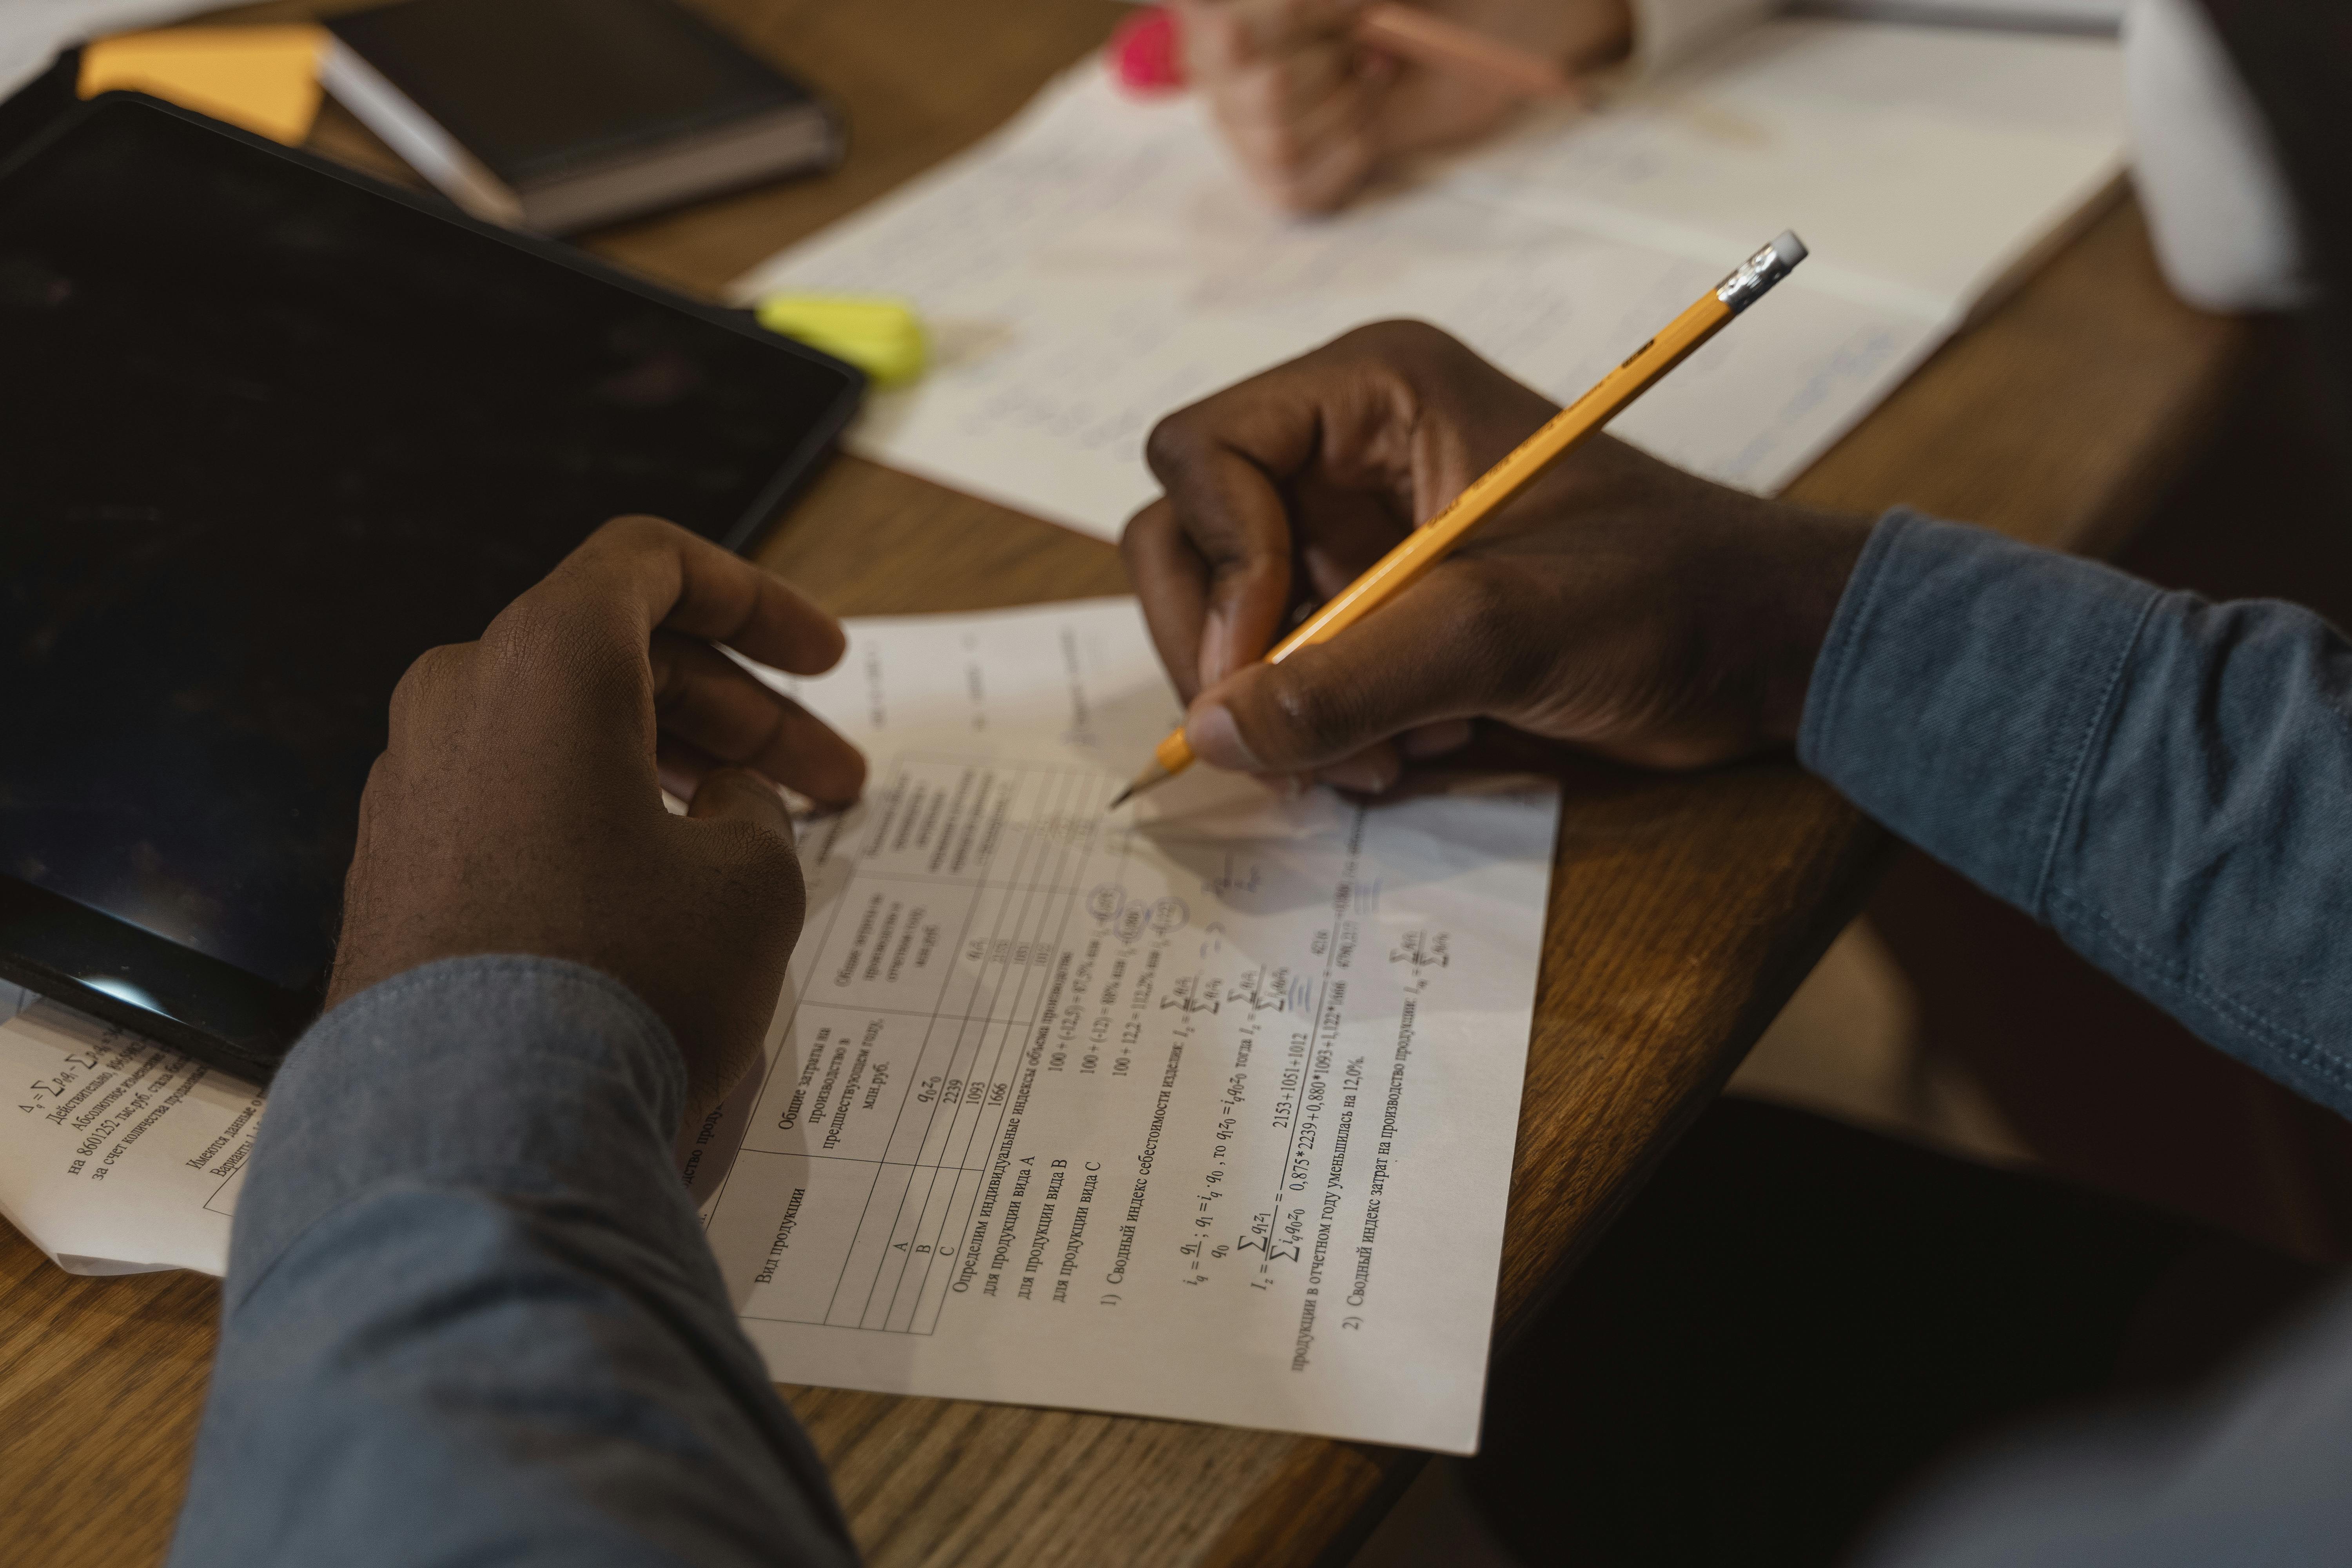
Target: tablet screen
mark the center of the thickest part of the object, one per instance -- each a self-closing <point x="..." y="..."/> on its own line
<point x="270" y="433"/>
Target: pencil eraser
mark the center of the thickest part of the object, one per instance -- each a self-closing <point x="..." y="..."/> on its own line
<point x="1146" y="58"/>
<point x="882" y="337"/>
<point x="1790" y="248"/>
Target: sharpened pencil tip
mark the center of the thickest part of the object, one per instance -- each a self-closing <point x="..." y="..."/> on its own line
<point x="1153" y="775"/>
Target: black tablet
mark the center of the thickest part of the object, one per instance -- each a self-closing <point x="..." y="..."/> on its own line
<point x="268" y="429"/>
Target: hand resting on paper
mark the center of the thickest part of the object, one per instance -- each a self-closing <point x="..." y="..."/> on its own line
<point x="1312" y="113"/>
<point x="1619" y="604"/>
<point x="517" y="808"/>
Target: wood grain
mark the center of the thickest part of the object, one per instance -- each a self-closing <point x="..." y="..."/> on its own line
<point x="1684" y="909"/>
<point x="100" y="1384"/>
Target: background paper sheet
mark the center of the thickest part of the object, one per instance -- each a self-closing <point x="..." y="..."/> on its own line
<point x="33" y="31"/>
<point x="1100" y="262"/>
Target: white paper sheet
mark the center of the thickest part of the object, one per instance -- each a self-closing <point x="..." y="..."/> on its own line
<point x="1919" y="164"/>
<point x="120" y="1156"/>
<point x="1201" y="1111"/>
<point x="2089" y="17"/>
<point x="1276" y="1049"/>
<point x="33" y="31"/>
<point x="1100" y="262"/>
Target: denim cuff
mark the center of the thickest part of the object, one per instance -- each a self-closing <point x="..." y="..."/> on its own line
<point x="530" y="1077"/>
<point x="1963" y="691"/>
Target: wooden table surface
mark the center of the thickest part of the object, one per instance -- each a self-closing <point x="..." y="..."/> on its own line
<point x="1684" y="909"/>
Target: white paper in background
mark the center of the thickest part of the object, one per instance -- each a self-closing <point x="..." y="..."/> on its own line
<point x="119" y="1155"/>
<point x="1204" y="1109"/>
<point x="1100" y="262"/>
<point x="1919" y="164"/>
<point x="2092" y="18"/>
<point x="33" y="31"/>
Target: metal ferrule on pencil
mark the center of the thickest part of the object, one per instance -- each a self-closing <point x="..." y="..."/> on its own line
<point x="1760" y="271"/>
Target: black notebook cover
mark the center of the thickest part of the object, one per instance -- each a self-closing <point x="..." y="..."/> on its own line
<point x="537" y="88"/>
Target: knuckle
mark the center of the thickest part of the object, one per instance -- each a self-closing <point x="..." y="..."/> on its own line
<point x="760" y="848"/>
<point x="1483" y="595"/>
<point x="526" y="632"/>
<point x="447" y="660"/>
<point x="1504" y="655"/>
<point x="762" y="899"/>
<point x="1287" y="78"/>
<point x="635" y="530"/>
<point x="1310" y="198"/>
<point x="765" y="866"/>
<point x="1254" y="99"/>
<point x="1292" y="191"/>
<point x="1145" y="530"/>
<point x="431" y="673"/>
<point x="536" y="640"/>
<point x="1408" y="339"/>
<point x="1283" y="150"/>
<point x="1173" y="445"/>
<point x="1318" y="719"/>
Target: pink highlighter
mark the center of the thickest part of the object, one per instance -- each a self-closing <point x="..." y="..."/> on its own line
<point x="1147" y="58"/>
<point x="1145" y="54"/>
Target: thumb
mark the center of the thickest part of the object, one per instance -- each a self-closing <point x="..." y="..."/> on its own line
<point x="747" y="837"/>
<point x="1426" y="658"/>
<point x="741" y="794"/>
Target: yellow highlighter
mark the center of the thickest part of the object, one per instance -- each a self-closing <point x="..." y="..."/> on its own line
<point x="881" y="337"/>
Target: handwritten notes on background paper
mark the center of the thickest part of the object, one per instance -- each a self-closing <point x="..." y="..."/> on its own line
<point x="1100" y="262"/>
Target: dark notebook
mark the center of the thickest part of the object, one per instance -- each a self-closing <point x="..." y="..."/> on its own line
<point x="560" y="114"/>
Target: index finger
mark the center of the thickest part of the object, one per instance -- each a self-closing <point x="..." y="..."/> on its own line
<point x="1343" y="423"/>
<point x="650" y="574"/>
<point x="1214" y="576"/>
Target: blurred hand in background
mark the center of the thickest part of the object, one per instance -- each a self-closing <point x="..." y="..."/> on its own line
<point x="1313" y="114"/>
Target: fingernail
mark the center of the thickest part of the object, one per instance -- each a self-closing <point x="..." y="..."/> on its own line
<point x="1436" y="740"/>
<point x="1365" y="775"/>
<point x="1215" y="739"/>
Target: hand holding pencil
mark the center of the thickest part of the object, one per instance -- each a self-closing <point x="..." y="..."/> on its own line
<point x="1614" y="602"/>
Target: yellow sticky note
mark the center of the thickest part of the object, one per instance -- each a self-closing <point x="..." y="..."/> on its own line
<point x="262" y="79"/>
<point x="881" y="337"/>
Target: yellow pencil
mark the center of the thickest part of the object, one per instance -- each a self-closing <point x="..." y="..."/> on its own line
<point x="1426" y="546"/>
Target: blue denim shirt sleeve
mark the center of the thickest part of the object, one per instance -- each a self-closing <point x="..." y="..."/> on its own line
<point x="470" y="1316"/>
<point x="2169" y="783"/>
<point x="2166" y="781"/>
